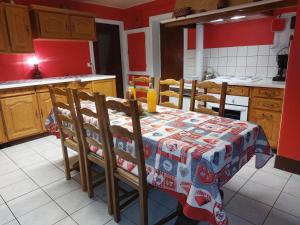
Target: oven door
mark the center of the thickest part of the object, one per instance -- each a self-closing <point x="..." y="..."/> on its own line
<point x="231" y="111"/>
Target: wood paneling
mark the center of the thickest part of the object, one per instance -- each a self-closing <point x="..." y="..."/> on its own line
<point x="268" y="93"/>
<point x="2" y="130"/>
<point x="4" y="44"/>
<point x="21" y="116"/>
<point x="107" y="87"/>
<point x="19" y="28"/>
<point x="233" y="90"/>
<point x="83" y="27"/>
<point x="45" y="106"/>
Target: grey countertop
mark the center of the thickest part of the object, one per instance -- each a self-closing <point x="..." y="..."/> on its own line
<point x="53" y="80"/>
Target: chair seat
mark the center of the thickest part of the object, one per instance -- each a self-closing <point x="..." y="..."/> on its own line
<point x="123" y="164"/>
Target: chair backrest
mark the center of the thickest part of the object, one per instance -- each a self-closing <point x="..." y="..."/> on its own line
<point x="141" y="85"/>
<point x="167" y="93"/>
<point x="93" y="135"/>
<point x="203" y="98"/>
<point x="135" y="136"/>
<point x="65" y="115"/>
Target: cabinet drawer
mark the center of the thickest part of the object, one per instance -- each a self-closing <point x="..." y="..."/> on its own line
<point x="268" y="92"/>
<point x="232" y="90"/>
<point x="269" y="104"/>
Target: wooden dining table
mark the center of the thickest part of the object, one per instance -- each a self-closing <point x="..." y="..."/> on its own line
<point x="189" y="155"/>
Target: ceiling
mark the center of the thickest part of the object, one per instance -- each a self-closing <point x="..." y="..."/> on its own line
<point x="122" y="4"/>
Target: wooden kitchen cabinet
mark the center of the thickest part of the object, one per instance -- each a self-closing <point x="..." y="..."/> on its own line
<point x="83" y="27"/>
<point x="3" y="138"/>
<point x="4" y="44"/>
<point x="107" y="87"/>
<point x="19" y="28"/>
<point x="45" y="106"/>
<point x="21" y="116"/>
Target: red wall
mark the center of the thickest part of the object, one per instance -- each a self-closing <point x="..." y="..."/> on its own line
<point x="289" y="143"/>
<point x="137" y="52"/>
<point x="254" y="32"/>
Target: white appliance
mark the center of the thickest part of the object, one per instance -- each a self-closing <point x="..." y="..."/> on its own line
<point x="236" y="107"/>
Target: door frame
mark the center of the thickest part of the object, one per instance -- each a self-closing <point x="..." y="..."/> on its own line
<point x="123" y="46"/>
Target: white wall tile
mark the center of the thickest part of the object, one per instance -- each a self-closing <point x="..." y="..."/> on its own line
<point x="262" y="60"/>
<point x="262" y="71"/>
<point x="214" y="52"/>
<point x="232" y="51"/>
<point x="222" y="70"/>
<point x="241" y="61"/>
<point x="223" y="52"/>
<point x="207" y="52"/>
<point x="240" y="71"/>
<point x="251" y="61"/>
<point x="272" y="71"/>
<point x="242" y="51"/>
<point x="251" y="71"/>
<point x="231" y="70"/>
<point x="264" y="50"/>
<point x="273" y="51"/>
<point x="214" y="61"/>
<point x="252" y="50"/>
<point x="222" y="61"/>
<point x="272" y="61"/>
<point x="231" y="61"/>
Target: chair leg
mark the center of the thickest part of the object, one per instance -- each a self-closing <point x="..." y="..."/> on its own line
<point x="89" y="178"/>
<point x="66" y="162"/>
<point x="143" y="207"/>
<point x="109" y="192"/>
<point x="82" y="171"/>
<point x="116" y="199"/>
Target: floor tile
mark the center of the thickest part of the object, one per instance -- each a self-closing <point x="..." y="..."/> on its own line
<point x="1" y="200"/>
<point x="271" y="162"/>
<point x="289" y="204"/>
<point x="28" y="160"/>
<point x="228" y="194"/>
<point x="123" y="221"/>
<point x="44" y="173"/>
<point x="269" y="180"/>
<point x="74" y="201"/>
<point x="8" y="168"/>
<point x="61" y="187"/>
<point x="28" y="202"/>
<point x="235" y="220"/>
<point x="66" y="221"/>
<point x="277" y="217"/>
<point x="248" y="209"/>
<point x="246" y="172"/>
<point x="292" y="188"/>
<point x="251" y="162"/>
<point x="295" y="177"/>
<point x="155" y="212"/>
<point x="163" y="198"/>
<point x="45" y="215"/>
<point x="12" y="178"/>
<point x="52" y="154"/>
<point x="260" y="193"/>
<point x="235" y="183"/>
<point x="17" y="189"/>
<point x="93" y="214"/>
<point x="277" y="172"/>
<point x="14" y="222"/>
<point x="5" y="214"/>
<point x="18" y="150"/>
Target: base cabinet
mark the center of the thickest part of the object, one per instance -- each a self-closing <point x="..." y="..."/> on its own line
<point x="3" y="138"/>
<point x="21" y="116"/>
<point x="45" y="106"/>
<point x="107" y="87"/>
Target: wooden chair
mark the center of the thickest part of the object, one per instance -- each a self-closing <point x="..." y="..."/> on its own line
<point x="93" y="136"/>
<point x="63" y="104"/>
<point x="162" y="93"/>
<point x="204" y="98"/>
<point x="142" y="88"/>
<point x="136" y="180"/>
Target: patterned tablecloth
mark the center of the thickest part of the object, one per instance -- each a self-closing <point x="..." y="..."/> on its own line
<point x="191" y="155"/>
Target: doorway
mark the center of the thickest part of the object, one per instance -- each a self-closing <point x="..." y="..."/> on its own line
<point x="107" y="53"/>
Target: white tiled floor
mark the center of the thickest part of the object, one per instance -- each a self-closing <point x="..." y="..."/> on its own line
<point x="33" y="191"/>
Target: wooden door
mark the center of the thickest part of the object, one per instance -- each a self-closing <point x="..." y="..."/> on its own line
<point x="270" y="122"/>
<point x="19" y="28"/>
<point x="21" y="116"/>
<point x="83" y="27"/>
<point x="4" y="44"/>
<point x="107" y="87"/>
<point x="2" y="130"/>
<point x="45" y="105"/>
<point x="107" y="52"/>
<point x="171" y="52"/>
<point x="54" y="25"/>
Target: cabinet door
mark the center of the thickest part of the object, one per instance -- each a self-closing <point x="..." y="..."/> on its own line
<point x="21" y="116"/>
<point x="45" y="105"/>
<point x="107" y="87"/>
<point x="19" y="29"/>
<point x="2" y="132"/>
<point x="270" y="122"/>
<point x="83" y="27"/>
<point x="4" y="44"/>
<point x="54" y="25"/>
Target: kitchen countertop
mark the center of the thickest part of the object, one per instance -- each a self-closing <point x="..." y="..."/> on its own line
<point x="53" y="80"/>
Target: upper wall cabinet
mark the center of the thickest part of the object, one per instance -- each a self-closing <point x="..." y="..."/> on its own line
<point x="15" y="29"/>
<point x="56" y="23"/>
